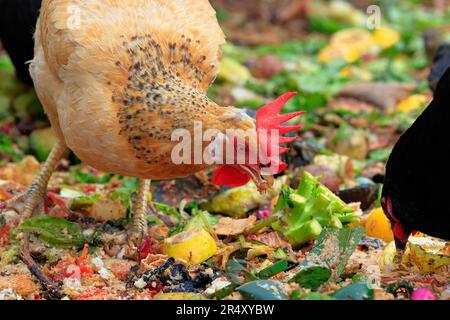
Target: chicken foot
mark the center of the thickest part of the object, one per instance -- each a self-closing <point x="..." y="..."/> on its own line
<point x="31" y="198"/>
<point x="138" y="228"/>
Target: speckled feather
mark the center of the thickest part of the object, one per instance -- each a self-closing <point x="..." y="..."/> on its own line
<point x="117" y="84"/>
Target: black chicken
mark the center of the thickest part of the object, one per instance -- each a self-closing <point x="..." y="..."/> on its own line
<point x="440" y="65"/>
<point x="17" y="24"/>
<point x="413" y="197"/>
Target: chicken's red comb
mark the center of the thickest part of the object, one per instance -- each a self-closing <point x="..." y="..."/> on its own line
<point x="269" y="121"/>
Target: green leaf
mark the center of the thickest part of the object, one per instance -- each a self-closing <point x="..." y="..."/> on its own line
<point x="326" y="25"/>
<point x="315" y="296"/>
<point x="56" y="231"/>
<point x="131" y="184"/>
<point x="312" y="277"/>
<point x="333" y="248"/>
<point x="83" y="201"/>
<point x="348" y="241"/>
<point x="357" y="291"/>
<point x="171" y="211"/>
<point x="221" y="13"/>
<point x="380" y="154"/>
<point x="402" y="286"/>
<point x="224" y="292"/>
<point x="9" y="150"/>
<point x="124" y="195"/>
<point x="237" y="272"/>
<point x="262" y="290"/>
<point x="201" y="219"/>
<point x="9" y="256"/>
<point x="360" y="278"/>
<point x="84" y="177"/>
<point x="274" y="269"/>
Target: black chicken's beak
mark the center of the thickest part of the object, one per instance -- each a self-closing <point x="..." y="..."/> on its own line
<point x="401" y="233"/>
<point x="400" y="245"/>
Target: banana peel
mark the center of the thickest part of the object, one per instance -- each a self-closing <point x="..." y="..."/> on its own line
<point x="348" y="45"/>
<point x="233" y="72"/>
<point x="412" y="103"/>
<point x="338" y="10"/>
<point x="425" y="253"/>
<point x="190" y="247"/>
<point x="386" y="37"/>
<point x="357" y="39"/>
<point x="338" y="51"/>
<point x="428" y="254"/>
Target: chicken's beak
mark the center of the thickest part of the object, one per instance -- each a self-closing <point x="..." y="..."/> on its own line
<point x="262" y="182"/>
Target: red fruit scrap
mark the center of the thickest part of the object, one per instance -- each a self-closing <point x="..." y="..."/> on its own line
<point x="82" y="263"/>
<point x="56" y="199"/>
<point x="4" y="232"/>
<point x="4" y="195"/>
<point x="146" y="247"/>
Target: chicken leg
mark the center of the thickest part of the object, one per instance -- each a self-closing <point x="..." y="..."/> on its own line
<point x="139" y="223"/>
<point x="35" y="194"/>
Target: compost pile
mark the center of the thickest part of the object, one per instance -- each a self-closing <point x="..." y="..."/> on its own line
<point x="318" y="233"/>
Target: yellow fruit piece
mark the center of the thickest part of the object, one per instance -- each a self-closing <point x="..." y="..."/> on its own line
<point x="338" y="10"/>
<point x="23" y="172"/>
<point x="387" y="256"/>
<point x="236" y="202"/>
<point x="386" y="37"/>
<point x="355" y="72"/>
<point x="191" y="247"/>
<point x="233" y="72"/>
<point x="419" y="234"/>
<point x="425" y="253"/>
<point x="334" y="52"/>
<point x="428" y="254"/>
<point x="359" y="40"/>
<point x="412" y="103"/>
<point x="378" y="226"/>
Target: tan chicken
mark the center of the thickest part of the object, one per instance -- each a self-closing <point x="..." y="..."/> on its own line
<point x="118" y="77"/>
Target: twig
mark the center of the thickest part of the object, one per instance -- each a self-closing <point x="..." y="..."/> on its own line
<point x="261" y="224"/>
<point x="51" y="287"/>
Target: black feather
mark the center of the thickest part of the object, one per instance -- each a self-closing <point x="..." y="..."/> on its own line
<point x="418" y="169"/>
<point x="440" y="64"/>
